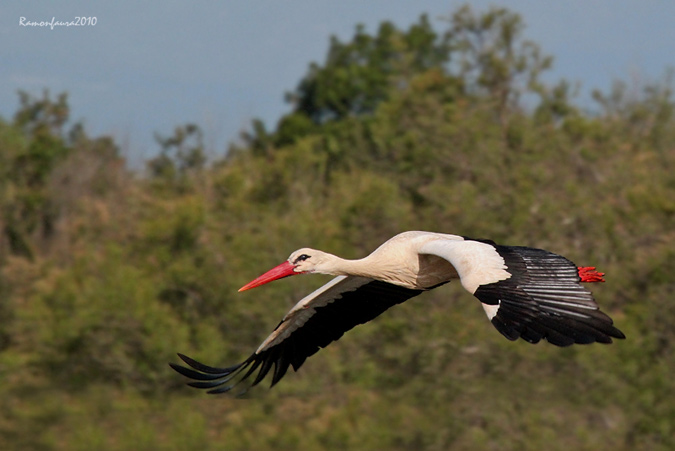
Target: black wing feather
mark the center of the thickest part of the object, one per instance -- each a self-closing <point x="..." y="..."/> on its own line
<point x="544" y="299"/>
<point x="328" y="324"/>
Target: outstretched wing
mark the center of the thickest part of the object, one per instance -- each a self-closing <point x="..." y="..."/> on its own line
<point x="313" y="323"/>
<point x="543" y="299"/>
<point x="528" y="293"/>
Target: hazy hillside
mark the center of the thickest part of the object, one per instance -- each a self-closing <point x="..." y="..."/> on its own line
<point x="105" y="273"/>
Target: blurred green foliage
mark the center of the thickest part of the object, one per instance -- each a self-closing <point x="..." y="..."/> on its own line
<point x="105" y="274"/>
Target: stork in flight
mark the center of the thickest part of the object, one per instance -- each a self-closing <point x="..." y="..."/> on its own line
<point x="528" y="293"/>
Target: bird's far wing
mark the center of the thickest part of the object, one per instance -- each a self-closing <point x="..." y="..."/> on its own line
<point x="313" y="323"/>
<point x="540" y="297"/>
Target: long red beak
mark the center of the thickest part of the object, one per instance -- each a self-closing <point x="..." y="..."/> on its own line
<point x="283" y="270"/>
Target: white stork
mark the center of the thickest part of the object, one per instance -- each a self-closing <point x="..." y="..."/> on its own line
<point x="526" y="292"/>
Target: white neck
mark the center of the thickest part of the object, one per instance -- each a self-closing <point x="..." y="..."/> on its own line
<point x="390" y="270"/>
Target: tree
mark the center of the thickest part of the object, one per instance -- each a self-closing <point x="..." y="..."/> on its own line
<point x="481" y="54"/>
<point x="31" y="160"/>
<point x="180" y="154"/>
<point x="360" y="74"/>
<point x="491" y="56"/>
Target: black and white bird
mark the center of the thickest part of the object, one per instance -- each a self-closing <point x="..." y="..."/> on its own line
<point x="527" y="293"/>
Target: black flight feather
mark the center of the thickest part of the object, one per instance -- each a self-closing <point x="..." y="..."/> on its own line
<point x="327" y="324"/>
<point x="543" y="299"/>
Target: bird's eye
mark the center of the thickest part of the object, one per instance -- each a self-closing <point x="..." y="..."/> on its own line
<point x="301" y="258"/>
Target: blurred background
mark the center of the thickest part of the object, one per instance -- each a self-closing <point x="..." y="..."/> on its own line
<point x="153" y="162"/>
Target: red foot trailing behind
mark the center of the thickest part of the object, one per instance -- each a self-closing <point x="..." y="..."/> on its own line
<point x="589" y="274"/>
<point x="527" y="293"/>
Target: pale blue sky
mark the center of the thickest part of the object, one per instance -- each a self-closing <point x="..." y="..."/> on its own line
<point x="149" y="66"/>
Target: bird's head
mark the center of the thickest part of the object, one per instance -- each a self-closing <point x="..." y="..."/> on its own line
<point x="302" y="261"/>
